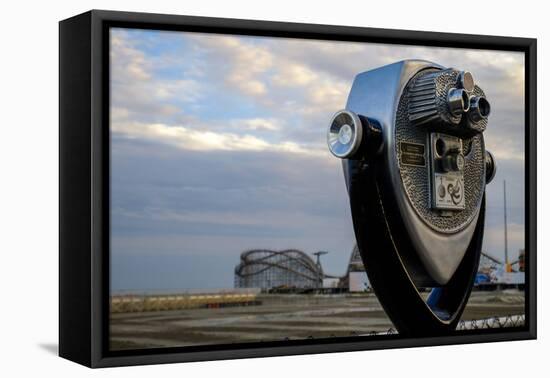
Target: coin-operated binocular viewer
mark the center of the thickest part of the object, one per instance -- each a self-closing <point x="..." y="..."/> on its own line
<point x="415" y="166"/>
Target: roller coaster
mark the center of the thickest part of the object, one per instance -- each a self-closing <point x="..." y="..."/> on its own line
<point x="268" y="269"/>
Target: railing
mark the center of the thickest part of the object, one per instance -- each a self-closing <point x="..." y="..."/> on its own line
<point x="495" y="322"/>
<point x="145" y="303"/>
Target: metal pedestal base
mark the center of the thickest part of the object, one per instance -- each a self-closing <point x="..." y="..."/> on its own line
<point x="383" y="242"/>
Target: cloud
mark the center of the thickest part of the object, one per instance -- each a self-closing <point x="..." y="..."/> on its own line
<point x="307" y="80"/>
<point x="245" y="61"/>
<point x="138" y="91"/>
<point x="493" y="241"/>
<point x="127" y="63"/>
<point x="505" y="148"/>
<point x="191" y="139"/>
<point x="218" y="145"/>
<point x="271" y="124"/>
<point x="270" y="78"/>
<point x="294" y="74"/>
<point x="223" y="202"/>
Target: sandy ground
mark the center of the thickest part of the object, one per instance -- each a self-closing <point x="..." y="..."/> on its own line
<point x="281" y="317"/>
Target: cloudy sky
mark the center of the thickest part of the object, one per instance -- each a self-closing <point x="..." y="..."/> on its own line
<point x="218" y="146"/>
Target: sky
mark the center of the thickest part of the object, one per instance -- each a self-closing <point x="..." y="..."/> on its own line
<point x="218" y="145"/>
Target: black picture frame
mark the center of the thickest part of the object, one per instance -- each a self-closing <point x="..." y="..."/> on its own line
<point x="84" y="185"/>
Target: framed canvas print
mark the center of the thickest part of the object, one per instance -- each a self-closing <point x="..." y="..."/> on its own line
<point x="234" y="188"/>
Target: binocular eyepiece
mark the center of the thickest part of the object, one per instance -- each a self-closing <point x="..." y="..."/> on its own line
<point x="445" y="100"/>
<point x="479" y="109"/>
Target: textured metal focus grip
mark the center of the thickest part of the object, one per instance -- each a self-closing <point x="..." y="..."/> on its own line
<point x="440" y="100"/>
<point x="428" y="98"/>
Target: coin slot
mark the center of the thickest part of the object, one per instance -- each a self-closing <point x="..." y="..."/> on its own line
<point x="440" y="147"/>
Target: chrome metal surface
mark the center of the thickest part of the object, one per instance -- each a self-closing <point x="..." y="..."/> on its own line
<point x="434" y="98"/>
<point x="466" y="81"/>
<point x="447" y="176"/>
<point x="490" y="167"/>
<point x="415" y="179"/>
<point x="376" y="94"/>
<point x="345" y="134"/>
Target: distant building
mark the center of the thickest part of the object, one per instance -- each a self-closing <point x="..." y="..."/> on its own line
<point x="288" y="269"/>
<point x="331" y="283"/>
<point x="355" y="261"/>
<point x="521" y="260"/>
<point x="493" y="272"/>
<point x="356" y="279"/>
